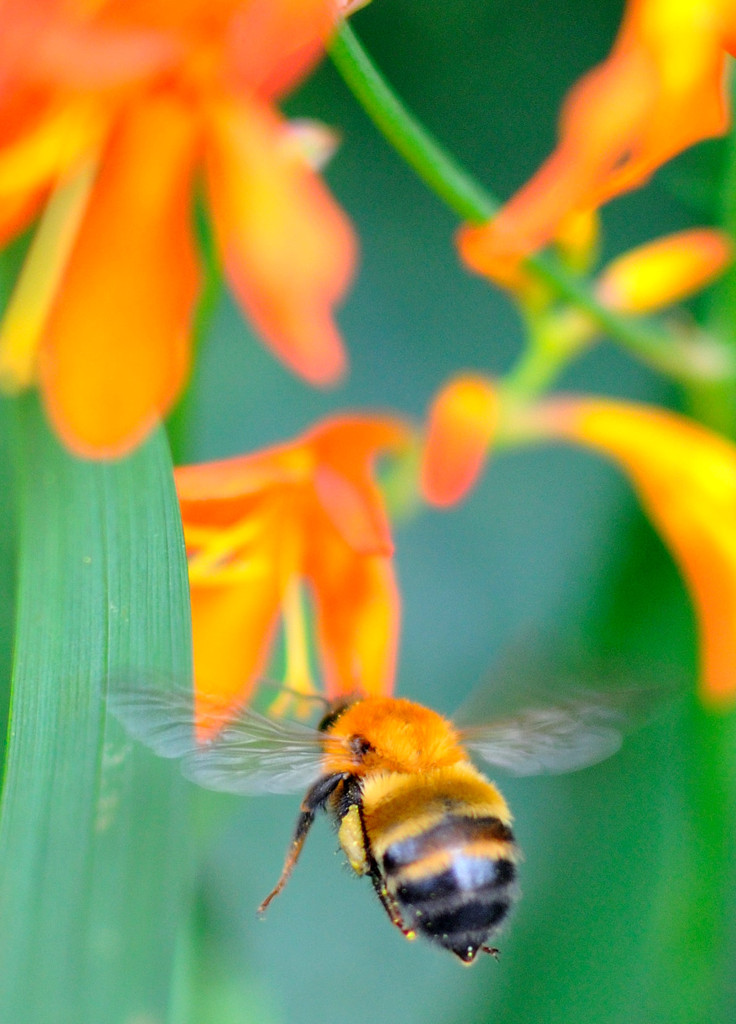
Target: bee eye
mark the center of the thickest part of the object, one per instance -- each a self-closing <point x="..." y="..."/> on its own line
<point x="359" y="746"/>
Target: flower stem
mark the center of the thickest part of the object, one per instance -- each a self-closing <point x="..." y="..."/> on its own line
<point x="686" y="359"/>
<point x="438" y="169"/>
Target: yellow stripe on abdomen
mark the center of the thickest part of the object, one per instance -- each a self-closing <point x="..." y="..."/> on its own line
<point x="396" y="806"/>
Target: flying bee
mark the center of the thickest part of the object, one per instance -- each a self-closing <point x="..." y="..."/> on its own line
<point x="412" y="811"/>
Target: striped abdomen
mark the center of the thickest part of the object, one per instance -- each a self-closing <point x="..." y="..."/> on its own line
<point x="445" y="853"/>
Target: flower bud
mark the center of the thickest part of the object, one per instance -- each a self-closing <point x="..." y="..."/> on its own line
<point x="664" y="271"/>
<point x="462" y="422"/>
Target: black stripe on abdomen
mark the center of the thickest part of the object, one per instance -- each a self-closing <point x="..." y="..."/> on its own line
<point x="464" y="903"/>
<point x="453" y="830"/>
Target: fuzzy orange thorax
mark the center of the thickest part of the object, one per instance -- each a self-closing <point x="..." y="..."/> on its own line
<point x="400" y="736"/>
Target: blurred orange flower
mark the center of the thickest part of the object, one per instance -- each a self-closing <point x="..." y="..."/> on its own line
<point x="685" y="476"/>
<point x="108" y="114"/>
<point x="662" y="88"/>
<point x="260" y="526"/>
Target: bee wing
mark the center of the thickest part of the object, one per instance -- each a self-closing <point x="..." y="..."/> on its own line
<point x="250" y="754"/>
<point x="574" y="733"/>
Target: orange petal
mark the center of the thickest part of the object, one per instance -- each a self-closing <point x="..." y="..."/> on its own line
<point x="686" y="478"/>
<point x="345" y="449"/>
<point x="116" y="350"/>
<point x="358" y="612"/>
<point x="661" y="90"/>
<point x="335" y="459"/>
<point x="234" y="480"/>
<point x="52" y="42"/>
<point x="683" y="46"/>
<point x="355" y="511"/>
<point x="462" y="421"/>
<point x="275" y="44"/>
<point x="664" y="271"/>
<point x="288" y="249"/>
<point x="600" y="119"/>
<point x="233" y="627"/>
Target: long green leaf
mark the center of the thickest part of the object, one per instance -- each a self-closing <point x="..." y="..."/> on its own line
<point x="93" y="857"/>
<point x="7" y="571"/>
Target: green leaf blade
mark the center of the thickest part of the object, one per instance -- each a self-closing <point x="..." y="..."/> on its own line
<point x="93" y="849"/>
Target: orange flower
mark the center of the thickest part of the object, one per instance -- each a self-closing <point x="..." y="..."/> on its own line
<point x="135" y="100"/>
<point x="662" y="88"/>
<point x="685" y="476"/>
<point x="260" y="526"/>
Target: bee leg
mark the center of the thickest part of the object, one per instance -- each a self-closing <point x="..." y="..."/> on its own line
<point x="492" y="950"/>
<point x="390" y="905"/>
<point x="303" y="825"/>
<point x="388" y="902"/>
<point x="312" y="802"/>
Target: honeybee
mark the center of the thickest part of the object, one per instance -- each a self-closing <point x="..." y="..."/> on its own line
<point x="412" y="811"/>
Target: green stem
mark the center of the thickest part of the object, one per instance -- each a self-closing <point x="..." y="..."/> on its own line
<point x="531" y="375"/>
<point x="555" y="337"/>
<point x="685" y="359"/>
<point x="439" y="170"/>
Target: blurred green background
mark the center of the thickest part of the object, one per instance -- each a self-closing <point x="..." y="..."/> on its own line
<point x="550" y="559"/>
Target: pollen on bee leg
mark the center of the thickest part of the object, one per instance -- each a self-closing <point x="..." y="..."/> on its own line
<point x="350" y="836"/>
<point x="410" y="934"/>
